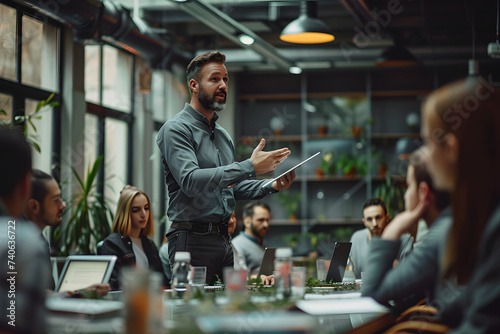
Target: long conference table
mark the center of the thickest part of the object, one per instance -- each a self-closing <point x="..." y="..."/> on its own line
<point x="318" y="310"/>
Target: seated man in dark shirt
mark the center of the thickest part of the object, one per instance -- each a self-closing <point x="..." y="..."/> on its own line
<point x="415" y="276"/>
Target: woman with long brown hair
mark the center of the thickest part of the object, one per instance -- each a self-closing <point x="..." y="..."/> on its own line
<point x="461" y="129"/>
<point x="129" y="240"/>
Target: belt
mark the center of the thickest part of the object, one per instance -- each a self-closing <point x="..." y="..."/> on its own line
<point x="210" y="228"/>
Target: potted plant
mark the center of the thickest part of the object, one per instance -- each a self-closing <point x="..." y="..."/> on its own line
<point x="290" y="201"/>
<point x="352" y="112"/>
<point x="90" y="217"/>
<point x="243" y="150"/>
<point x="326" y="166"/>
<point x="351" y="165"/>
<point x="380" y="163"/>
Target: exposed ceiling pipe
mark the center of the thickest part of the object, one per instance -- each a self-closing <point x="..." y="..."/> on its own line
<point x="359" y="11"/>
<point x="96" y="19"/>
<point x="231" y="29"/>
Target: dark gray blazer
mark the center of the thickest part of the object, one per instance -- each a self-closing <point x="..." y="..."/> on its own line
<point x="477" y="310"/>
<point x="416" y="275"/>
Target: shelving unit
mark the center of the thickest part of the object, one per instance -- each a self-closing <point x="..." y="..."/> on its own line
<point x="330" y="201"/>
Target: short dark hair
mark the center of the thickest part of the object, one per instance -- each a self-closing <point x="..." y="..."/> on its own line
<point x="249" y="209"/>
<point x="442" y="198"/>
<point x="199" y="61"/>
<point x="39" y="181"/>
<point x="374" y="202"/>
<point x="16" y="160"/>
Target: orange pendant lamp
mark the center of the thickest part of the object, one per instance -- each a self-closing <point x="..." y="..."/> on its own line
<point x="307" y="28"/>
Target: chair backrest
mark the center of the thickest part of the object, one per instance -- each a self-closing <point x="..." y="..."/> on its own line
<point x="99" y="245"/>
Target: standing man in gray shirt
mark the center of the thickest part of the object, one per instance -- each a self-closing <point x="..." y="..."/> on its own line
<point x="202" y="178"/>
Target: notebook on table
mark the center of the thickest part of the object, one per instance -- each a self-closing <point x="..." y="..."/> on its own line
<point x="81" y="271"/>
<point x="339" y="262"/>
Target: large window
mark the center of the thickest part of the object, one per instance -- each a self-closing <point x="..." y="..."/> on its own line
<point x="8" y="38"/>
<point x="29" y="73"/>
<point x="39" y="47"/>
<point x="108" y="92"/>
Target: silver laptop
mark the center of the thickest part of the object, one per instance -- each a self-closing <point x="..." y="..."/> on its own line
<point x="81" y="271"/>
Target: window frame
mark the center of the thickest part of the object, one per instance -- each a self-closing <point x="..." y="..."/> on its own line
<point x="20" y="92"/>
<point x="103" y="112"/>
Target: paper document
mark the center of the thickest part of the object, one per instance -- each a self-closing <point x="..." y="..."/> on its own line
<point x="288" y="171"/>
<point x="341" y="306"/>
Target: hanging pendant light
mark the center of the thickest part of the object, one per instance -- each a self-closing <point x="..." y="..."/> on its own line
<point x="307" y="28"/>
<point x="396" y="55"/>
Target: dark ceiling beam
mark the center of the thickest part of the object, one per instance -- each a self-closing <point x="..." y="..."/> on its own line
<point x="226" y="26"/>
<point x="359" y="11"/>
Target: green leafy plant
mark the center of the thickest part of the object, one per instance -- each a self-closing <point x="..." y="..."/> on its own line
<point x="243" y="151"/>
<point x="392" y="193"/>
<point x="350" y="111"/>
<point x="342" y="234"/>
<point x="327" y="164"/>
<point x="312" y="282"/>
<point x="25" y="120"/>
<point x="351" y="165"/>
<point x="90" y="217"/>
<point x="290" y="202"/>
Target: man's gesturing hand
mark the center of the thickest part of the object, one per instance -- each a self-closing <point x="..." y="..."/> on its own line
<point x="264" y="162"/>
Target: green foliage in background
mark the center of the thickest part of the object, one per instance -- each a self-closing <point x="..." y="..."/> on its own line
<point x="90" y="216"/>
<point x="392" y="193"/>
<point x="290" y="201"/>
<point x="25" y="120"/>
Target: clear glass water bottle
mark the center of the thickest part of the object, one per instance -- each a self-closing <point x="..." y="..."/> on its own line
<point x="181" y="273"/>
<point x="283" y="267"/>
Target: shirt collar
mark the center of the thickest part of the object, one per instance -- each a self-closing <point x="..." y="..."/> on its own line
<point x="197" y="115"/>
<point x="249" y="237"/>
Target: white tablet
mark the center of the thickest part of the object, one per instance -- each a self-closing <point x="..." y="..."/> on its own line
<point x="288" y="171"/>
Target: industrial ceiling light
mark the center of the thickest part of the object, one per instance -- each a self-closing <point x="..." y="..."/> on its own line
<point x="245" y="39"/>
<point x="396" y="55"/>
<point x="307" y="28"/>
<point x="295" y="70"/>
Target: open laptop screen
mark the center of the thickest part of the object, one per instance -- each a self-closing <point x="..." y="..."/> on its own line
<point x="267" y="266"/>
<point x="81" y="271"/>
<point x="338" y="262"/>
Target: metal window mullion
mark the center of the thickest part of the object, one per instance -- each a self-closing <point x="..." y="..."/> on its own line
<point x="130" y="122"/>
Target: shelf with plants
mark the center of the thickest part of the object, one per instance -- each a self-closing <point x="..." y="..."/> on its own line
<point x="277" y="138"/>
<point x="355" y="119"/>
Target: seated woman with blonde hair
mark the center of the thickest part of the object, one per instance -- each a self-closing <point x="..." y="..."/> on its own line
<point x="129" y="240"/>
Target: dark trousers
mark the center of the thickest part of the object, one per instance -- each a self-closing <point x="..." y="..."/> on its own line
<point x="213" y="251"/>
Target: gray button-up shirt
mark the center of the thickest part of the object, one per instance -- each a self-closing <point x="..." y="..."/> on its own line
<point x="203" y="180"/>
